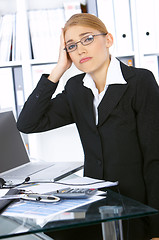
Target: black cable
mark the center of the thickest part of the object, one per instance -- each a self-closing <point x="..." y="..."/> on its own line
<point x="5" y="185"/>
<point x="27" y="179"/>
<point x="78" y="184"/>
<point x="2" y="182"/>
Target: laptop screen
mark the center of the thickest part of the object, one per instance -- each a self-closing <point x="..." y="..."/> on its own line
<point x="12" y="149"/>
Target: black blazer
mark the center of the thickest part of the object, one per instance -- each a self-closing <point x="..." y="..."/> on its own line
<point x="124" y="146"/>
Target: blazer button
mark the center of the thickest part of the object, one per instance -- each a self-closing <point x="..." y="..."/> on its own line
<point x="37" y="95"/>
<point x="99" y="162"/>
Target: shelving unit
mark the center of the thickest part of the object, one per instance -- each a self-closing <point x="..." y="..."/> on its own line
<point x="136" y="53"/>
<point x="39" y="146"/>
<point x="142" y="53"/>
<point x="21" y="8"/>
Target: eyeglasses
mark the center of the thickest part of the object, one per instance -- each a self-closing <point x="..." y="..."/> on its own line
<point x="84" y="41"/>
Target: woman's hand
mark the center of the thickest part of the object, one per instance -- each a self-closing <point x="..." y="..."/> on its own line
<point x="63" y="64"/>
<point x="64" y="60"/>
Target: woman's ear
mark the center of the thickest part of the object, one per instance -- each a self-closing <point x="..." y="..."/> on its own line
<point x="109" y="40"/>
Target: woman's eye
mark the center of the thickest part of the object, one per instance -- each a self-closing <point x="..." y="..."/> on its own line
<point x="89" y="39"/>
<point x="72" y="46"/>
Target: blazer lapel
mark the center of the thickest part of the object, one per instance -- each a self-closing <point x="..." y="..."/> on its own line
<point x="85" y="99"/>
<point x="113" y="95"/>
<point x="110" y="100"/>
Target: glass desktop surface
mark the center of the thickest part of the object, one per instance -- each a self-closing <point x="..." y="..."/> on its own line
<point x="113" y="207"/>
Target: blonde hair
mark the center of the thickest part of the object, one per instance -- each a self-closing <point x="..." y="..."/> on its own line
<point x="86" y="20"/>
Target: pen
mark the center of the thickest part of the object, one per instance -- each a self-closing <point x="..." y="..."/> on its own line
<point x="33" y="197"/>
<point x="62" y="190"/>
<point x="39" y="197"/>
<point x="59" y="190"/>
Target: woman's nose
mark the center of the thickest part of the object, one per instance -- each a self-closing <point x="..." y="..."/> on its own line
<point x="80" y="48"/>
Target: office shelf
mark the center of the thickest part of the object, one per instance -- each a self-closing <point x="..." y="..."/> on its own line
<point x="140" y="53"/>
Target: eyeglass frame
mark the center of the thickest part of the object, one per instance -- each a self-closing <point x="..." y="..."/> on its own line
<point x="80" y="41"/>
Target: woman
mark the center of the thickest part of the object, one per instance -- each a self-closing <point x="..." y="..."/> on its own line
<point x="115" y="108"/>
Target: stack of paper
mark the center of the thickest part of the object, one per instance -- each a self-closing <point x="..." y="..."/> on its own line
<point x="6" y="36"/>
<point x="40" y="213"/>
<point x="45" y="32"/>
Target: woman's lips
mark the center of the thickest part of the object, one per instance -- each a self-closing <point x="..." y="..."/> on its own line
<point x="85" y="59"/>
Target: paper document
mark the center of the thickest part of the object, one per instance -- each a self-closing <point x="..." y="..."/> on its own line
<point x="87" y="182"/>
<point x="75" y="182"/>
<point x="41" y="213"/>
<point x="3" y="192"/>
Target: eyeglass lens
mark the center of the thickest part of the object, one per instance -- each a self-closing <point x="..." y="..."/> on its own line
<point x="84" y="41"/>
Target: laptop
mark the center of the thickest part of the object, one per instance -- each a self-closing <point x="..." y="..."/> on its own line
<point x="15" y="164"/>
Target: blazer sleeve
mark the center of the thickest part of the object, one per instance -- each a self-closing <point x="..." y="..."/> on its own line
<point x="147" y="106"/>
<point x="41" y="112"/>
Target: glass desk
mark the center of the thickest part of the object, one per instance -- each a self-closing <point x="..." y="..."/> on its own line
<point x="108" y="211"/>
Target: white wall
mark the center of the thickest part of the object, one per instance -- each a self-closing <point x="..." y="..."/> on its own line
<point x="62" y="144"/>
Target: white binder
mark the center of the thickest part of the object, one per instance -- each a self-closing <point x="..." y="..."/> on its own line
<point x="106" y="14"/>
<point x="6" y="36"/>
<point x="123" y="27"/>
<point x="45" y="33"/>
<point x="7" y="97"/>
<point x="147" y="25"/>
<point x="151" y="62"/>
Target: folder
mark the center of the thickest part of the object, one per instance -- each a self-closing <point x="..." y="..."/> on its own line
<point x="151" y="62"/>
<point x="123" y="27"/>
<point x="6" y="37"/>
<point x="147" y="25"/>
<point x="106" y="14"/>
<point x="19" y="88"/>
<point x="7" y="97"/>
<point x="55" y="31"/>
<point x="127" y="60"/>
<point x="71" y="8"/>
<point x="45" y="33"/>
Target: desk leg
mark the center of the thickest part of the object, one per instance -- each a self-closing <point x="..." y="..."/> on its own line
<point x="111" y="229"/>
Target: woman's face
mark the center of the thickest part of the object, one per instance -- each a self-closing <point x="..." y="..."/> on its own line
<point x="90" y="58"/>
